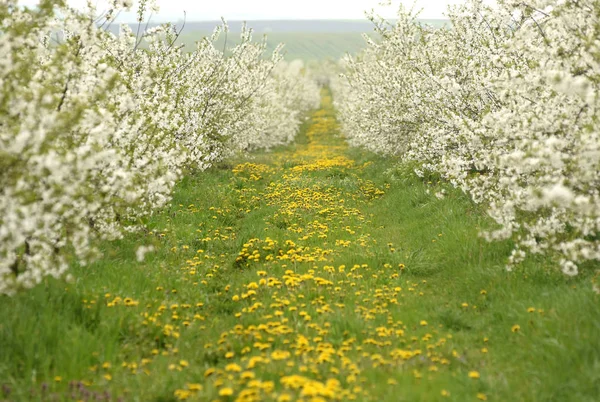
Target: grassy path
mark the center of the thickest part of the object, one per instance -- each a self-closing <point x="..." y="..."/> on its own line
<point x="312" y="273"/>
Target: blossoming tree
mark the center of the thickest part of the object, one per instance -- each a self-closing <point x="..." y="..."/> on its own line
<point x="503" y="103"/>
<point x="97" y="128"/>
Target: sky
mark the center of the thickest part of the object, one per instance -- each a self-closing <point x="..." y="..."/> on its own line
<point x="209" y="10"/>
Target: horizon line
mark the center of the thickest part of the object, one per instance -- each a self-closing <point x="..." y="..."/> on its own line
<point x="275" y="20"/>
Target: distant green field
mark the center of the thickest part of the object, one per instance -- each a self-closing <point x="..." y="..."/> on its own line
<point x="307" y="46"/>
<point x="307" y="40"/>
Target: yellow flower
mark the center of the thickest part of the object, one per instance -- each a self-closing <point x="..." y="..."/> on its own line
<point x="531" y="310"/>
<point x="225" y="391"/>
<point x="280" y="355"/>
<point x="474" y="374"/>
<point x="233" y="367"/>
<point x="130" y="302"/>
<point x="423" y="323"/>
<point x="445" y="393"/>
<point x="247" y="375"/>
<point x="516" y="328"/>
<point x="482" y="396"/>
<point x="182" y="394"/>
<point x="194" y="387"/>
<point x="58" y="378"/>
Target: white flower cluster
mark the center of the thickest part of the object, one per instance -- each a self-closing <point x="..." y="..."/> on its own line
<point x="95" y="129"/>
<point x="503" y="104"/>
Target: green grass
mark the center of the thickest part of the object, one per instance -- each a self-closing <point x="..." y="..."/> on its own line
<point x="68" y="330"/>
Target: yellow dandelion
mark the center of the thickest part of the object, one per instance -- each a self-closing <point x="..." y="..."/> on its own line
<point x="233" y="367"/>
<point x="247" y="375"/>
<point x="182" y="394"/>
<point x="194" y="387"/>
<point x="225" y="391"/>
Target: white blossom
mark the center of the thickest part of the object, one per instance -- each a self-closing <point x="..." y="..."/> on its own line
<point x="96" y="131"/>
<point x="503" y="104"/>
<point x="140" y="253"/>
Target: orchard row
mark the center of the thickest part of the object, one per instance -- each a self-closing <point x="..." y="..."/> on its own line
<point x="97" y="128"/>
<point x="504" y="104"/>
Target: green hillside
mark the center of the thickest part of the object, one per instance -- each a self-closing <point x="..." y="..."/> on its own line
<point x="305" y="40"/>
<point x="306" y="46"/>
